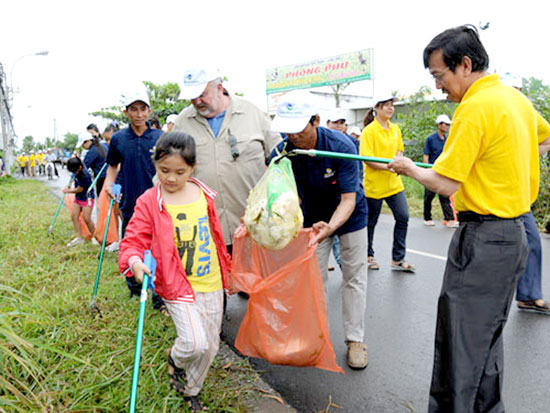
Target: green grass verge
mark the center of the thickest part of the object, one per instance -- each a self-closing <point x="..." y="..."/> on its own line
<point x="54" y="357"/>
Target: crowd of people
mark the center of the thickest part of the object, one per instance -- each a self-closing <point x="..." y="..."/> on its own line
<point x="185" y="191"/>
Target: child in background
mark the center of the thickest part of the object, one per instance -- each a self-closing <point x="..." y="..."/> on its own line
<point x="82" y="181"/>
<point x="177" y="220"/>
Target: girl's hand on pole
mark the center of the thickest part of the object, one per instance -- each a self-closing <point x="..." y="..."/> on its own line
<point x="138" y="269"/>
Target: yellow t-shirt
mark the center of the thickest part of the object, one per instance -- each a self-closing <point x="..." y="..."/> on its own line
<point x="32" y="160"/>
<point x="22" y="160"/>
<point x="492" y="149"/>
<point x="40" y="158"/>
<point x="381" y="143"/>
<point x="196" y="246"/>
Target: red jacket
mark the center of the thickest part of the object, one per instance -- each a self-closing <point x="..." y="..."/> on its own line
<point x="151" y="228"/>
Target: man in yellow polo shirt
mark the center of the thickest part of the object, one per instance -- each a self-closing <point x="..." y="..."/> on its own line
<point x="491" y="161"/>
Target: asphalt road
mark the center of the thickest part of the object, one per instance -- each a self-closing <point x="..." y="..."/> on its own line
<point x="400" y="325"/>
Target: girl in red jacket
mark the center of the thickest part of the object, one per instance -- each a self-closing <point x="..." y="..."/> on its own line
<point x="178" y="222"/>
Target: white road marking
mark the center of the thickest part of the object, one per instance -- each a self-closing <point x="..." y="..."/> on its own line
<point x="427" y="254"/>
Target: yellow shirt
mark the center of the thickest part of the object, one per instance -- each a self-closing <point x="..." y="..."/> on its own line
<point x="22" y="160"/>
<point x="196" y="246"/>
<point x="32" y="160"/>
<point x="40" y="158"/>
<point x="382" y="143"/>
<point x="492" y="149"/>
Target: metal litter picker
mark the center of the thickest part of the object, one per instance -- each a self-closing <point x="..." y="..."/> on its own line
<point x="50" y="228"/>
<point x="150" y="262"/>
<point x="116" y="193"/>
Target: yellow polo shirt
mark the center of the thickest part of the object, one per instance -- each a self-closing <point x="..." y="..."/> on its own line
<point x="382" y="143"/>
<point x="492" y="149"/>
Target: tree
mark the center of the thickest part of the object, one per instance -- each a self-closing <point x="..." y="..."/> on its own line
<point x="163" y="98"/>
<point x="28" y="144"/>
<point x="69" y="141"/>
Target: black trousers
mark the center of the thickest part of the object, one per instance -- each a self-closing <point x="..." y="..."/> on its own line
<point x="484" y="263"/>
<point x="445" y="202"/>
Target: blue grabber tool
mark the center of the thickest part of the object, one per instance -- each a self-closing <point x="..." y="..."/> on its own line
<point x="50" y="228"/>
<point x="147" y="282"/>
<point x="116" y="192"/>
<point x="92" y="186"/>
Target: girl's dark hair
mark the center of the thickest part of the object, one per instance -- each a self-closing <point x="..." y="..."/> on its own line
<point x="178" y="143"/>
<point x="73" y="164"/>
<point x="93" y="126"/>
<point x="455" y="44"/>
<point x="101" y="149"/>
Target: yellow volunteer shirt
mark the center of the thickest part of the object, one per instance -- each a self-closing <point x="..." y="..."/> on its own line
<point x="196" y="246"/>
<point x="492" y="149"/>
<point x="40" y="158"/>
<point x="23" y="161"/>
<point x="32" y="160"/>
<point x="382" y="143"/>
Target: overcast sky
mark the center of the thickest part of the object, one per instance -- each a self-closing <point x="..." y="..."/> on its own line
<point x="99" y="52"/>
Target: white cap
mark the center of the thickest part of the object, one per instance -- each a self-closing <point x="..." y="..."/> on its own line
<point x="383" y="97"/>
<point x="294" y="111"/>
<point x="195" y="81"/>
<point x="139" y="95"/>
<point x="355" y="130"/>
<point x="171" y="118"/>
<point x="512" y="80"/>
<point x="83" y="137"/>
<point x="337" y="114"/>
<point x="442" y="119"/>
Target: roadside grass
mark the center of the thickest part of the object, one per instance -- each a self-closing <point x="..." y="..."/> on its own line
<point x="54" y="357"/>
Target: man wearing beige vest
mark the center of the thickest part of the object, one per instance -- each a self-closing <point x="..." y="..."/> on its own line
<point x="233" y="138"/>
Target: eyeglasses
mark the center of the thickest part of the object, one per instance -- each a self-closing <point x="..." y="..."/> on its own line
<point x="233" y="145"/>
<point x="437" y="77"/>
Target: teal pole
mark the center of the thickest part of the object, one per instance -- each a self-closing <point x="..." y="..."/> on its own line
<point x="50" y="228"/>
<point x="351" y="156"/>
<point x="116" y="193"/>
<point x="96" y="178"/>
<point x="150" y="262"/>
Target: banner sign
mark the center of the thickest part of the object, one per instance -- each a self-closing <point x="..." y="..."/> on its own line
<point x="345" y="68"/>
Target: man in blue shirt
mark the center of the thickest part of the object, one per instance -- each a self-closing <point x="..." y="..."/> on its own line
<point x="432" y="149"/>
<point x="333" y="203"/>
<point x="132" y="148"/>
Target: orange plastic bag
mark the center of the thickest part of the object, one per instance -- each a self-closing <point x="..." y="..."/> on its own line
<point x="102" y="211"/>
<point x="69" y="200"/>
<point x="286" y="321"/>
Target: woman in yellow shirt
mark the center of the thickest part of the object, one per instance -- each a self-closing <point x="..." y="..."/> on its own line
<point x="381" y="138"/>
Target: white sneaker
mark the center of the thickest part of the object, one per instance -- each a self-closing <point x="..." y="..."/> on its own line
<point x="429" y="223"/>
<point x="113" y="247"/>
<point x="94" y="241"/>
<point x="75" y="242"/>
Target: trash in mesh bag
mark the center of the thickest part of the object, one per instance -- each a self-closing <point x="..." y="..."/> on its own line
<point x="273" y="215"/>
<point x="286" y="321"/>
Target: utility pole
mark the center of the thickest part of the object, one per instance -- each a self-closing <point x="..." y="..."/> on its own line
<point x="4" y="119"/>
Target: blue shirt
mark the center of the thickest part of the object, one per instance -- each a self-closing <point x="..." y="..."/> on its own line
<point x="95" y="161"/>
<point x="322" y="181"/>
<point x="134" y="153"/>
<point x="83" y="179"/>
<point x="434" y="146"/>
<point x="216" y="123"/>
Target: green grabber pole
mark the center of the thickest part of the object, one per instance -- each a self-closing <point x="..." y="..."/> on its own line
<point x="339" y="155"/>
<point x="150" y="262"/>
<point x="116" y="193"/>
<point x="59" y="207"/>
<point x="96" y="178"/>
